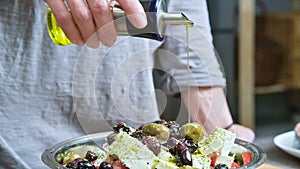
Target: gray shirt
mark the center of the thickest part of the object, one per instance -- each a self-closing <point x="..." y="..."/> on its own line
<point x="50" y="93"/>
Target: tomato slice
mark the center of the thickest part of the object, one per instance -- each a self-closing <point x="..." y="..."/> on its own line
<point x="213" y="160"/>
<point x="235" y="165"/>
<point x="247" y="157"/>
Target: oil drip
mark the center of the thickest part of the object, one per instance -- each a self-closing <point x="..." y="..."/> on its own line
<point x="188" y="26"/>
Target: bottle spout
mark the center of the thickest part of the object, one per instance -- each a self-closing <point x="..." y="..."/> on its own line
<point x="165" y="19"/>
<point x="176" y="19"/>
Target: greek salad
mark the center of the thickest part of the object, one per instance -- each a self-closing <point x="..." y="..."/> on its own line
<point x="160" y="145"/>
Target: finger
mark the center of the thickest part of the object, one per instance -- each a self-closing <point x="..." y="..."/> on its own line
<point x="104" y="21"/>
<point x="135" y="12"/>
<point x="113" y="3"/>
<point x="84" y="21"/>
<point x="65" y="20"/>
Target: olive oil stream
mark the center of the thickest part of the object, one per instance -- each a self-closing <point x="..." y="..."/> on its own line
<point x="188" y="26"/>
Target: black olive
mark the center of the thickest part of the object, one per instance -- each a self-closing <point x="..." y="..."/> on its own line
<point x="80" y="163"/>
<point x="174" y="129"/>
<point x="181" y="147"/>
<point x="175" y="146"/>
<point x="172" y="124"/>
<point x="91" y="156"/>
<point x="126" y="129"/>
<point x="141" y="127"/>
<point x="185" y="158"/>
<point x="110" y="138"/>
<point x="221" y="166"/>
<point x="74" y="164"/>
<point x="172" y="142"/>
<point x="85" y="165"/>
<point x="191" y="144"/>
<point x="138" y="134"/>
<point x="160" y="122"/>
<point x="153" y="144"/>
<point x="122" y="126"/>
<point x="172" y="150"/>
<point x="105" y="165"/>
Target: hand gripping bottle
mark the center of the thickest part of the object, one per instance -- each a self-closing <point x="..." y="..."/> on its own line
<point x="157" y="17"/>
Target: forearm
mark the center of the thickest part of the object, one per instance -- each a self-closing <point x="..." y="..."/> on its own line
<point x="208" y="107"/>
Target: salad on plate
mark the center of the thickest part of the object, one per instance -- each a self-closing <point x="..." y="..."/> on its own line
<point x="159" y="145"/>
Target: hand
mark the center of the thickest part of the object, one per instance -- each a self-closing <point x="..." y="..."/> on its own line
<point x="80" y="19"/>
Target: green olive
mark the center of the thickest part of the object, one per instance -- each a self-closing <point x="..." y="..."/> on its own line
<point x="192" y="130"/>
<point x="71" y="156"/>
<point x="160" y="131"/>
<point x="59" y="158"/>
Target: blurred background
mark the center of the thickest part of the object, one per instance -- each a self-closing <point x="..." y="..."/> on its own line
<point x="259" y="45"/>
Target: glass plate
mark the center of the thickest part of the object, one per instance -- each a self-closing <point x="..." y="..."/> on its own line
<point x="48" y="156"/>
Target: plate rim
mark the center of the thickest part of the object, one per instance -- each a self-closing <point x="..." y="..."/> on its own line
<point x="287" y="149"/>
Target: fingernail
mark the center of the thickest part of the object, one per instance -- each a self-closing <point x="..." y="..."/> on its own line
<point x="80" y="43"/>
<point x="138" y="20"/>
<point x="93" y="41"/>
<point x="107" y="35"/>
